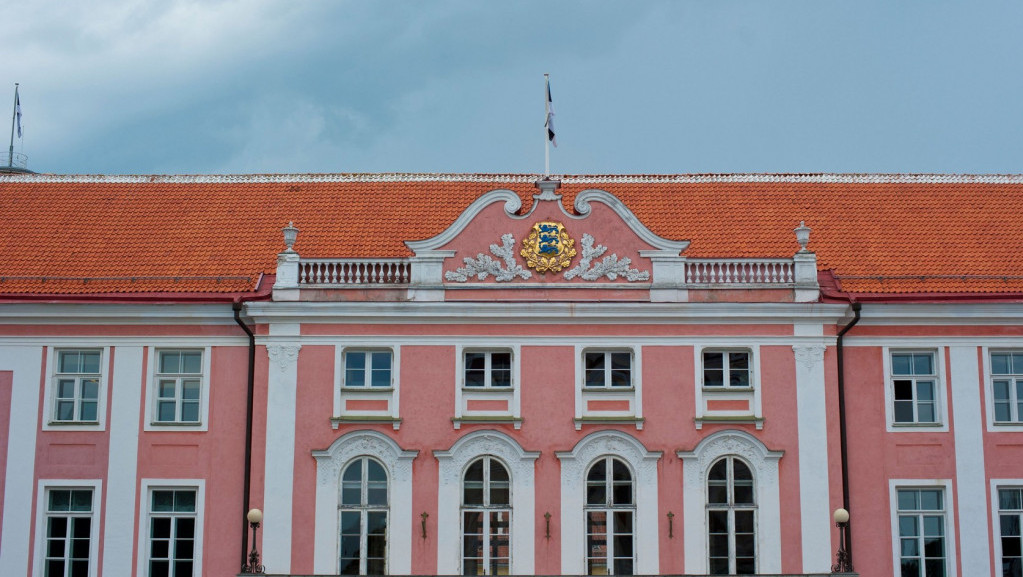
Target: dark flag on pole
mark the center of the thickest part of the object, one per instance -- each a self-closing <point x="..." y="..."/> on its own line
<point x="17" y="109"/>
<point x="551" y="137"/>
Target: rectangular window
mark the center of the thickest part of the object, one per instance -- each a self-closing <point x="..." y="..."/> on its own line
<point x="1007" y="386"/>
<point x="914" y="387"/>
<point x="1010" y="517"/>
<point x="730" y="369"/>
<point x="367" y="369"/>
<point x="69" y="528"/>
<point x="179" y="376"/>
<point x="76" y="385"/>
<point x="608" y="369"/>
<point x="921" y="526"/>
<point x="488" y="369"/>
<point x="172" y="532"/>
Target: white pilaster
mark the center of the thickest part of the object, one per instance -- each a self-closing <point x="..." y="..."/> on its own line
<point x="814" y="498"/>
<point x="122" y="468"/>
<point x="25" y="362"/>
<point x="971" y="486"/>
<point x="280" y="456"/>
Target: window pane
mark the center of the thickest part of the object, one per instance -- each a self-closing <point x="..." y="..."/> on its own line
<point x="717" y="493"/>
<point x="66" y="389"/>
<point x="908" y="527"/>
<point x="903" y="390"/>
<point x="376" y="523"/>
<point x="381" y="369"/>
<point x="60" y="500"/>
<point x="621" y="379"/>
<point x="170" y="361"/>
<point x="67" y="362"/>
<point x="902" y="364"/>
<point x="622" y="493"/>
<point x="190" y="411"/>
<point x="191" y="362"/>
<point x="500" y="378"/>
<point x="190" y="389"/>
<point x="167" y="389"/>
<point x="375" y="471"/>
<point x="1017" y="363"/>
<point x="925" y="413"/>
<point x="88" y="411"/>
<point x="930" y="500"/>
<point x="713" y="378"/>
<point x="355" y="369"/>
<point x="351" y="494"/>
<point x="922" y="364"/>
<point x="81" y="501"/>
<point x="163" y="501"/>
<point x="184" y="501"/>
<point x="353" y="472"/>
<point x="500" y="494"/>
<point x="925" y="390"/>
<point x="90" y="389"/>
<point x="903" y="411"/>
<point x="90" y="362"/>
<point x="1000" y="363"/>
<point x="165" y="411"/>
<point x="719" y="471"/>
<point x="743" y="494"/>
<point x="1010" y="499"/>
<point x="185" y="528"/>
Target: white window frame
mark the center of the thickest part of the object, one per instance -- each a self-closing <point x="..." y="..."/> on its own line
<point x="996" y="534"/>
<point x="940" y="392"/>
<point x="42" y="505"/>
<point x="463" y="394"/>
<point x="730" y="508"/>
<point x="633" y="394"/>
<point x="342" y="393"/>
<point x="607" y="352"/>
<point x="364" y="509"/>
<point x="152" y="390"/>
<point x="49" y="423"/>
<point x="485" y="509"/>
<point x="609" y="508"/>
<point x="330" y="463"/>
<point x="144" y="528"/>
<point x="488" y="368"/>
<point x="452" y="464"/>
<point x="764" y="464"/>
<point x="989" y="392"/>
<point x="368" y="352"/>
<point x="951" y="540"/>
<point x="750" y="394"/>
<point x="575" y="465"/>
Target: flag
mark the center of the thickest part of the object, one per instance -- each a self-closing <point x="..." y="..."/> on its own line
<point x="17" y="110"/>
<point x="550" y="117"/>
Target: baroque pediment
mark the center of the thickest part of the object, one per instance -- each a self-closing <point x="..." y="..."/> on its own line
<point x="601" y="241"/>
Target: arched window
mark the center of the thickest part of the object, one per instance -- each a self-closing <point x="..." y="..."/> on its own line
<point x="610" y="516"/>
<point x="486" y="518"/>
<point x="731" y="518"/>
<point x="363" y="520"/>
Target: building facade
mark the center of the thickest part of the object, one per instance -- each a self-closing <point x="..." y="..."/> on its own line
<point x="507" y="374"/>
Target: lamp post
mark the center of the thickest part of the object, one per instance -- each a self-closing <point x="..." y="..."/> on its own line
<point x="843" y="561"/>
<point x="255" y="517"/>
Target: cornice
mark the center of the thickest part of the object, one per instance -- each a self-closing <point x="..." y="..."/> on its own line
<point x="943" y="314"/>
<point x="518" y="312"/>
<point x="809" y="178"/>
<point x="116" y="314"/>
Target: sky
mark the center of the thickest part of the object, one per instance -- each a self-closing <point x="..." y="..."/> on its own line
<point x="639" y="87"/>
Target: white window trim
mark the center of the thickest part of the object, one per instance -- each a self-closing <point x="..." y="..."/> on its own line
<point x="941" y="392"/>
<point x="574" y="466"/>
<point x="392" y="393"/>
<point x="752" y="393"/>
<point x="512" y="393"/>
<point x="951" y="540"/>
<point x="95" y="529"/>
<point x="150" y="423"/>
<point x="49" y="424"/>
<point x="995" y="523"/>
<point x="763" y="463"/>
<point x="329" y="465"/>
<point x="451" y="469"/>
<point x="989" y="392"/>
<point x="633" y="393"/>
<point x="145" y="493"/>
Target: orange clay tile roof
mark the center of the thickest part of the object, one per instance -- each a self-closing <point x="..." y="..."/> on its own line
<point x="887" y="234"/>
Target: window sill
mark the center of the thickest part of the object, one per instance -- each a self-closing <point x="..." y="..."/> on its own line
<point x="367" y="389"/>
<point x="495" y="390"/>
<point x="917" y="425"/>
<point x="638" y="422"/>
<point x="609" y="389"/>
<point x="335" y="422"/>
<point x="727" y="389"/>
<point x="489" y="420"/>
<point x="731" y="420"/>
<point x="175" y="424"/>
<point x="73" y="423"/>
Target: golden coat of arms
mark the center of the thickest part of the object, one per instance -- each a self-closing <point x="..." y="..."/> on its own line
<point x="548" y="247"/>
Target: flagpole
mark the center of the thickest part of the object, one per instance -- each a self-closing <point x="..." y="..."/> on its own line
<point x="14" y="113"/>
<point x="546" y="138"/>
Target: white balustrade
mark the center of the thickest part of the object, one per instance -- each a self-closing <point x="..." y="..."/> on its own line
<point x="771" y="272"/>
<point x="353" y="271"/>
